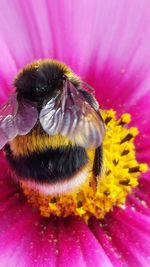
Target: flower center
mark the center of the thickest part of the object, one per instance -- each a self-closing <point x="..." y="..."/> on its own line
<point x="119" y="175"/>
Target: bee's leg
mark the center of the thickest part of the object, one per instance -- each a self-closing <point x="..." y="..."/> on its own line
<point x="97" y="166"/>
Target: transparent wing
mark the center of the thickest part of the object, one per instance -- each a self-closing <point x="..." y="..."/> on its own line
<point x="3" y="139"/>
<point x="71" y="115"/>
<point x="26" y="117"/>
<point x="51" y="115"/>
<point x="7" y="113"/>
<point x="16" y="118"/>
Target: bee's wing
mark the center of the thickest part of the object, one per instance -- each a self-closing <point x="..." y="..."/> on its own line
<point x="71" y="115"/>
<point x="26" y="117"/>
<point x="16" y="118"/>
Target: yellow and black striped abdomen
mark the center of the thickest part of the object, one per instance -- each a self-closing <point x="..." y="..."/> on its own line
<point x="43" y="158"/>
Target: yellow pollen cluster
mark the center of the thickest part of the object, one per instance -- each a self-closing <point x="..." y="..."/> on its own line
<point x="119" y="175"/>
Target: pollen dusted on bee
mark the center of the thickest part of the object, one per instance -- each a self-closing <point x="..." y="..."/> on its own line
<point x="120" y="175"/>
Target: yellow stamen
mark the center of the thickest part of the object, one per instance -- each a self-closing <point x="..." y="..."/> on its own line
<point x="119" y="175"/>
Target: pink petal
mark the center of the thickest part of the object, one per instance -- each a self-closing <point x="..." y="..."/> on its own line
<point x="137" y="203"/>
<point x="140" y="119"/>
<point x="142" y="193"/>
<point x="114" y="59"/>
<point x="80" y="248"/>
<point x="7" y="187"/>
<point x="106" y="242"/>
<point x="28" y="240"/>
<point x="129" y="232"/>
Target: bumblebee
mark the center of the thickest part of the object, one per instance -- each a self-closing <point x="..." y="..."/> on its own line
<point x="48" y="126"/>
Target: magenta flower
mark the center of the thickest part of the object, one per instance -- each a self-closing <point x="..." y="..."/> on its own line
<point x="107" y="44"/>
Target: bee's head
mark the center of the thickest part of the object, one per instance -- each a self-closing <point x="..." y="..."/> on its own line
<point x="43" y="79"/>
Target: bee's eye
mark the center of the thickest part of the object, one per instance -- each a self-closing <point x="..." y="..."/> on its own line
<point x="41" y="90"/>
<point x="37" y="89"/>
